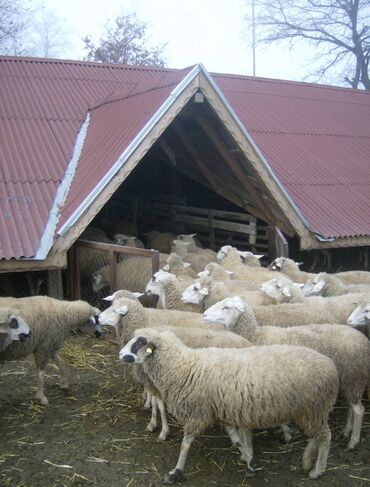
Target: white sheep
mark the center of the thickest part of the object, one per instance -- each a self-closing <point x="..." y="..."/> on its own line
<point x="228" y="255"/>
<point x="197" y="257"/>
<point x="232" y="261"/>
<point x="133" y="273"/>
<point x="126" y="315"/>
<point x="204" y="292"/>
<point x="12" y="327"/>
<point x="169" y="289"/>
<point x="314" y="310"/>
<point x="349" y="350"/>
<point x="282" y="290"/>
<point x="327" y="285"/>
<point x="175" y="265"/>
<point x="291" y="269"/>
<point x="50" y="321"/>
<point x="128" y="241"/>
<point x="241" y="389"/>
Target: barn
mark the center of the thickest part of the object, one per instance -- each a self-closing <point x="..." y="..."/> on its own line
<point x="279" y="167"/>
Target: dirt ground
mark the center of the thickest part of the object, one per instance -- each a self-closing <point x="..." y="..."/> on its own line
<point x="95" y="435"/>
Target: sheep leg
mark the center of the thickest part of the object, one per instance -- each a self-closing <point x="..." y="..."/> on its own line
<point x="40" y="396"/>
<point x="177" y="473"/>
<point x="242" y="439"/>
<point x="41" y="360"/>
<point x="358" y="414"/>
<point x="308" y="454"/>
<point x="62" y="371"/>
<point x="165" y="428"/>
<point x="152" y="426"/>
<point x="323" y="443"/>
<point x="349" y="423"/>
<point x="287" y="432"/>
<point x="148" y="399"/>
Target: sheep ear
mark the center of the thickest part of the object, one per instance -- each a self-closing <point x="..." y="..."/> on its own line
<point x="299" y="263"/>
<point x="166" y="267"/>
<point x="204" y="291"/>
<point x="122" y="310"/>
<point x="150" y="349"/>
<point x="258" y="256"/>
<point x="239" y="305"/>
<point x="192" y="235"/>
<point x="186" y="264"/>
<point x="109" y="298"/>
<point x="287" y="293"/>
<point x="138" y="295"/>
<point x="299" y="284"/>
<point x="230" y="273"/>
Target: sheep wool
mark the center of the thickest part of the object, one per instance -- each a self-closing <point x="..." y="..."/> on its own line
<point x="201" y="387"/>
<point x="50" y="321"/>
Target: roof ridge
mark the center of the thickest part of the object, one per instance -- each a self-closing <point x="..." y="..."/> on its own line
<point x="282" y="132"/>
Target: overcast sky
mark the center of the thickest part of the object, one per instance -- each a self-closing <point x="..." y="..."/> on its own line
<point x="206" y="31"/>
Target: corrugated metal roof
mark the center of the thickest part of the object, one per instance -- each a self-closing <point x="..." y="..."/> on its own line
<point x="315" y="138"/>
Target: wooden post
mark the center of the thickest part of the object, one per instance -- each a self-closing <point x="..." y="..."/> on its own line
<point x="76" y="272"/>
<point x="112" y="270"/>
<point x="155" y="262"/>
<point x="278" y="246"/>
<point x="55" y="284"/>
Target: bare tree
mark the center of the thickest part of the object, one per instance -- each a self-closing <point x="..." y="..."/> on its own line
<point x="13" y="23"/>
<point x="338" y="29"/>
<point x="125" y="42"/>
<point x="48" y="34"/>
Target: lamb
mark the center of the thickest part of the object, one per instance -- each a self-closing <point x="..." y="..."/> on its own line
<point x="133" y="273"/>
<point x="228" y="254"/>
<point x="160" y="241"/>
<point x="128" y="241"/>
<point x="12" y="327"/>
<point x="349" y="350"/>
<point x="205" y="292"/>
<point x="126" y="315"/>
<point x="50" y="321"/>
<point x="203" y="386"/>
<point x="324" y="284"/>
<point x="198" y="258"/>
<point x="178" y="267"/>
<point x="232" y="261"/>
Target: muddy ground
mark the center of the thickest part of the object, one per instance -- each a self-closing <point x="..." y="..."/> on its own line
<point x="95" y="435"/>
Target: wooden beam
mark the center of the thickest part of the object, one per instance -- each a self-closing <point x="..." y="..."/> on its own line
<point x="235" y="167"/>
<point x="219" y="189"/>
<point x="56" y="261"/>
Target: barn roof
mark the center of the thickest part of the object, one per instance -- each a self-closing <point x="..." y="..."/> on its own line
<point x="67" y="126"/>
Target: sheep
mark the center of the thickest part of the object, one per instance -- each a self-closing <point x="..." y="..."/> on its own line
<point x="126" y="315"/>
<point x="169" y="288"/>
<point x="349" y="350"/>
<point x="282" y="290"/>
<point x="198" y="258"/>
<point x="228" y="254"/>
<point x="50" y="321"/>
<point x="204" y="292"/>
<point x="160" y="241"/>
<point x="241" y="389"/>
<point x="133" y="273"/>
<point x="314" y="310"/>
<point x="291" y="269"/>
<point x="12" y="327"/>
<point x="91" y="260"/>
<point x="128" y="241"/>
<point x="178" y="267"/>
<point x="324" y="284"/>
<point x="219" y="273"/>
<point x="192" y="239"/>
<point x="232" y="261"/>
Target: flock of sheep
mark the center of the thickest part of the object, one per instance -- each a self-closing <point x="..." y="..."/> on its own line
<point x="230" y="342"/>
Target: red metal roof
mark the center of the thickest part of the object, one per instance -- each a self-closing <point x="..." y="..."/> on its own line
<point x="315" y="138"/>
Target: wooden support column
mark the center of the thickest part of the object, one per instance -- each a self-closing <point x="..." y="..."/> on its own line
<point x="55" y="284"/>
<point x="278" y="246"/>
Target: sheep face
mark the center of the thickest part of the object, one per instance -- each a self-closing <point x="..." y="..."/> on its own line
<point x="280" y="262"/>
<point x="360" y="316"/>
<point x="225" y="312"/>
<point x="137" y="350"/>
<point x="223" y="252"/>
<point x="195" y="293"/>
<point x="277" y="289"/>
<point x="112" y="315"/>
<point x="314" y="287"/>
<point x="156" y="283"/>
<point x="13" y="326"/>
<point x="98" y="281"/>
